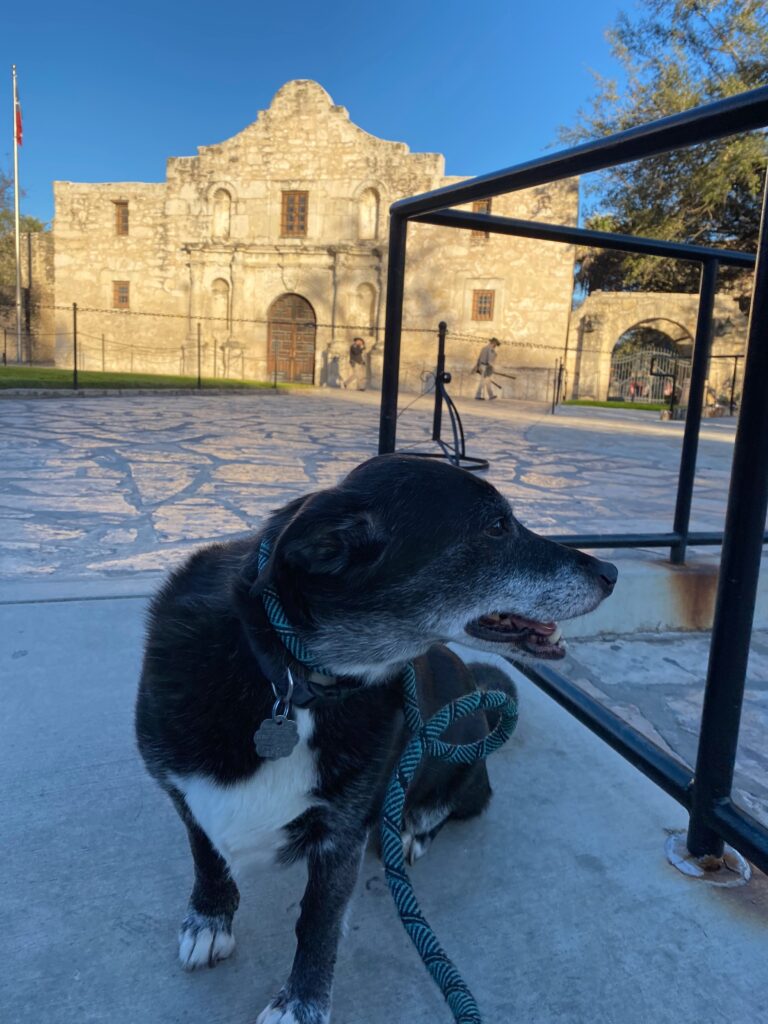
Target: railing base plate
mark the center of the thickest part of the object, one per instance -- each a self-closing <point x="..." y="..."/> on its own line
<point x="727" y="871"/>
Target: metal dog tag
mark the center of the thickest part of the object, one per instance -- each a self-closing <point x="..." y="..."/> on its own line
<point x="276" y="737"/>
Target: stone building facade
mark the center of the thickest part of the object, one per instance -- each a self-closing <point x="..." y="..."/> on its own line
<point x="273" y="246"/>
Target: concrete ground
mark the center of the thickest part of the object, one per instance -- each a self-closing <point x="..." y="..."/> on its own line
<point x="558" y="905"/>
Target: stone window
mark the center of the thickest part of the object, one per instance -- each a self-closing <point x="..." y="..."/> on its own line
<point x="481" y="206"/>
<point x="482" y="304"/>
<point x="368" y="214"/>
<point x="222" y="208"/>
<point x="121" y="294"/>
<point x="293" y="221"/>
<point x="121" y="216"/>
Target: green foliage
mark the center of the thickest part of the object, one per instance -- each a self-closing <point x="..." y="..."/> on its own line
<point x="53" y="377"/>
<point x="638" y="339"/>
<point x="676" y="55"/>
<point x="7" y="244"/>
<point x="637" y="406"/>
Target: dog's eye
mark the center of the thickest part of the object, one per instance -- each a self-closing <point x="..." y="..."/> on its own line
<point x="498" y="529"/>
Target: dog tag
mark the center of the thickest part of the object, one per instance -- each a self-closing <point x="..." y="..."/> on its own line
<point x="276" y="737"/>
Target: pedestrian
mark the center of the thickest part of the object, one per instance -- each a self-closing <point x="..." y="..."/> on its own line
<point x="484" y="366"/>
<point x="356" y="365"/>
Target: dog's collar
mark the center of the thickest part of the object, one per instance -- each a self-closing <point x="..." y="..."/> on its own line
<point x="312" y="685"/>
<point x="309" y="687"/>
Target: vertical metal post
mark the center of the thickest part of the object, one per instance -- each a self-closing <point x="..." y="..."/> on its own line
<point x="16" y="195"/>
<point x="398" y="228"/>
<point x="437" y="418"/>
<point x="555" y="384"/>
<point x="732" y="403"/>
<point x="199" y="359"/>
<point x="74" y="345"/>
<point x="701" y="350"/>
<point x="5" y="346"/>
<point x="739" y="570"/>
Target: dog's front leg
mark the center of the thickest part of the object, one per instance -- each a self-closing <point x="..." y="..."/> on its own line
<point x="306" y="996"/>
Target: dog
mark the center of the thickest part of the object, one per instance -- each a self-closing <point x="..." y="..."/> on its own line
<point x="402" y="557"/>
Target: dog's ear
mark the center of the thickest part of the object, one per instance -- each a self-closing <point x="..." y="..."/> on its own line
<point x="331" y="546"/>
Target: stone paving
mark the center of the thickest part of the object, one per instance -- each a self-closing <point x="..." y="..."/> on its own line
<point x="123" y="487"/>
<point x="126" y="485"/>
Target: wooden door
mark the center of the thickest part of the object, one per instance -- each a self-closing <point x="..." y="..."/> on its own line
<point x="291" y="340"/>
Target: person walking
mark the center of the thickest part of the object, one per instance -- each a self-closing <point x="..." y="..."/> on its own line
<point x="484" y="366"/>
<point x="356" y="364"/>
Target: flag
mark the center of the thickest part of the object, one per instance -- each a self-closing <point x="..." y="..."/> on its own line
<point x="18" y="119"/>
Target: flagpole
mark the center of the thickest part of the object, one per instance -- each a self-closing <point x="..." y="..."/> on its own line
<point x="16" y="215"/>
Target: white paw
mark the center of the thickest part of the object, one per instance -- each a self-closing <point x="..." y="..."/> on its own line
<point x="292" y="1013"/>
<point x="274" y="1015"/>
<point x="203" y="941"/>
<point x="414" y="846"/>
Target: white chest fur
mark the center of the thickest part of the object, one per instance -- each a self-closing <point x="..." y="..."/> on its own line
<point x="244" y="821"/>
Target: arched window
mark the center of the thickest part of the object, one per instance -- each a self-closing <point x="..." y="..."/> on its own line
<point x="368" y="214"/>
<point x="220" y="307"/>
<point x="365" y="308"/>
<point x="222" y="205"/>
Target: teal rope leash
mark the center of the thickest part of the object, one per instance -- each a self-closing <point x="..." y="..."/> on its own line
<point x="279" y="620"/>
<point x="425" y="742"/>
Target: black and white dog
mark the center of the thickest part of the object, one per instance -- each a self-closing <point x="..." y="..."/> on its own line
<point x="403" y="555"/>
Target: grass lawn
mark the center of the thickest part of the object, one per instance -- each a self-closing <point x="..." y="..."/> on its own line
<point x="649" y="406"/>
<point x="53" y="377"/>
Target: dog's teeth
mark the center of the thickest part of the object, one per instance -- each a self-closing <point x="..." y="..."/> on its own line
<point x="556" y="636"/>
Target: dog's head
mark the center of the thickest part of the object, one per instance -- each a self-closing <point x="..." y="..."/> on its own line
<point x="408" y="552"/>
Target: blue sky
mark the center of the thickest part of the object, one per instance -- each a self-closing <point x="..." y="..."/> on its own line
<point x="110" y="91"/>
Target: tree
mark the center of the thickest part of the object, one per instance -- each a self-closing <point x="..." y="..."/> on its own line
<point x="676" y="55"/>
<point x="7" y="246"/>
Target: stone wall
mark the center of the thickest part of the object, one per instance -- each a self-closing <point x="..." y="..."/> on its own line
<point x="205" y="248"/>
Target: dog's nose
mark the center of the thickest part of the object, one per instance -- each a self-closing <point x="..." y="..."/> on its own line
<point x="608" y="574"/>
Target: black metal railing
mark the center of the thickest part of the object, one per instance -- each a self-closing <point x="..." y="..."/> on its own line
<point x="706" y="793"/>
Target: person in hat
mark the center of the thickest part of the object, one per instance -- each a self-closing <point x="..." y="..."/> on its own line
<point x="484" y="366"/>
<point x="356" y="365"/>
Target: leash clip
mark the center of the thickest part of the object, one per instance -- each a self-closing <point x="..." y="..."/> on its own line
<point x="277" y="715"/>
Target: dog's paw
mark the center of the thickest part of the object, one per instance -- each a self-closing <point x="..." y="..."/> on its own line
<point x="415" y="845"/>
<point x="284" y="1010"/>
<point x="203" y="940"/>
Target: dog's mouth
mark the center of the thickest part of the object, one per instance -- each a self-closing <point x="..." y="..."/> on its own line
<point x="542" y="639"/>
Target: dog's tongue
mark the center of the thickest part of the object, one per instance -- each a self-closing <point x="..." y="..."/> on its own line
<point x="542" y="628"/>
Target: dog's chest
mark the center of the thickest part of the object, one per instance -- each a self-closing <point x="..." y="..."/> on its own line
<point x="245" y="821"/>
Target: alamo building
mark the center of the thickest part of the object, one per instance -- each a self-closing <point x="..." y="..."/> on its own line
<point x="263" y="256"/>
<point x="275" y="243"/>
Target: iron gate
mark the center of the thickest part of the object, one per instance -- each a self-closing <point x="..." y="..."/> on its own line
<point x="647" y="375"/>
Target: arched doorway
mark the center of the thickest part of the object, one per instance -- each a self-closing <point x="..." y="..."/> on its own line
<point x="649" y="360"/>
<point x="291" y="340"/>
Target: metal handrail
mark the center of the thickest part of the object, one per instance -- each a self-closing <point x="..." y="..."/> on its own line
<point x="706" y="793"/>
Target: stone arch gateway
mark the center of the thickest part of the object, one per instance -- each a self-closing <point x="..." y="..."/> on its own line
<point x="605" y="317"/>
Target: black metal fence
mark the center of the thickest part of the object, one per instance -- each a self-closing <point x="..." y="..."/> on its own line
<point x="706" y="793"/>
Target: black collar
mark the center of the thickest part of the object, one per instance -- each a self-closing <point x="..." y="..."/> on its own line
<point x="309" y="688"/>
